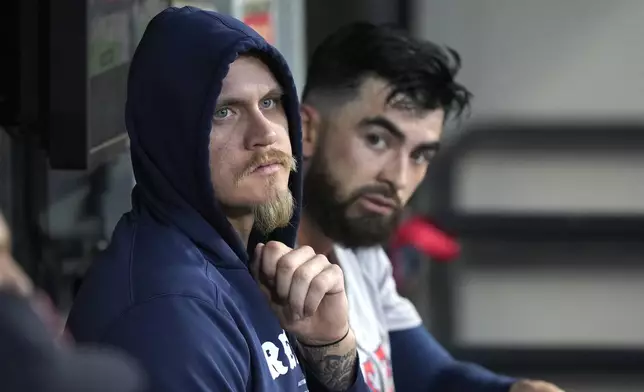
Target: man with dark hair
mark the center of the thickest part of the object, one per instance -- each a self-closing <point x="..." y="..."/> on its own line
<point x="373" y="111"/>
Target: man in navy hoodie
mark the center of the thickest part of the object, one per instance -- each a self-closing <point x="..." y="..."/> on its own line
<point x="373" y="111"/>
<point x="187" y="285"/>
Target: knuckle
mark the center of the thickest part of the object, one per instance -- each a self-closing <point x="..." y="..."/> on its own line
<point x="268" y="254"/>
<point x="322" y="259"/>
<point x="274" y="246"/>
<point x="306" y="249"/>
<point x="320" y="283"/>
<point x="286" y="264"/>
<point x="303" y="274"/>
<point x="337" y="271"/>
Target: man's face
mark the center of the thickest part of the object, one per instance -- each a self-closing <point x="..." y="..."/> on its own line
<point x="250" y="148"/>
<point x="367" y="160"/>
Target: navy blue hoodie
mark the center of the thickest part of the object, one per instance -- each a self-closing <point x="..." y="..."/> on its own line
<point x="174" y="288"/>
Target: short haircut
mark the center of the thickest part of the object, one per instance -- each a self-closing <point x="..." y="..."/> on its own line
<point x="419" y="70"/>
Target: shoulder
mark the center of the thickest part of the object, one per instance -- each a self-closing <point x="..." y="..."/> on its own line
<point x="143" y="262"/>
<point x="164" y="261"/>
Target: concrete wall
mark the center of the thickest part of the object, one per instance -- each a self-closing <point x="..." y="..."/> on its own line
<point x="547" y="59"/>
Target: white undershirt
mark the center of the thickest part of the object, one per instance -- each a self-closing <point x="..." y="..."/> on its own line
<point x="375" y="309"/>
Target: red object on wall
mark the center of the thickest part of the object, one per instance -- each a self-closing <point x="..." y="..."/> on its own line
<point x="427" y="238"/>
<point x="262" y="23"/>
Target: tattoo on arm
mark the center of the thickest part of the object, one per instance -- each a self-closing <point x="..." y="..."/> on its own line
<point x="335" y="370"/>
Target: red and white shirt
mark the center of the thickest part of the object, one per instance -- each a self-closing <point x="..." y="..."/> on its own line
<point x="375" y="309"/>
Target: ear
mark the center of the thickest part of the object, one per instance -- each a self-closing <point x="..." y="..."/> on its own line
<point x="310" y="129"/>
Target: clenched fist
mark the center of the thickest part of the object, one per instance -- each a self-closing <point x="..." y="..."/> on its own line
<point x="306" y="292"/>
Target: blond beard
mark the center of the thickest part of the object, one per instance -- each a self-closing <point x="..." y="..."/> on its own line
<point x="274" y="213"/>
<point x="278" y="210"/>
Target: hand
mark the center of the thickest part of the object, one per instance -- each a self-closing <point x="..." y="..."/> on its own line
<point x="307" y="294"/>
<point x="12" y="277"/>
<point x="306" y="291"/>
<point x="534" y="386"/>
<point x="15" y="280"/>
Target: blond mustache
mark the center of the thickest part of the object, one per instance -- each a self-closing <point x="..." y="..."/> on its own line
<point x="269" y="158"/>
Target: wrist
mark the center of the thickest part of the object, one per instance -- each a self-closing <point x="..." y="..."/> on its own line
<point x="309" y="343"/>
<point x="335" y="366"/>
<point x="341" y="346"/>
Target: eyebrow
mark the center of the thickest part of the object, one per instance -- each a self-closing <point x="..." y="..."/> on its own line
<point x="233" y="101"/>
<point x="393" y="129"/>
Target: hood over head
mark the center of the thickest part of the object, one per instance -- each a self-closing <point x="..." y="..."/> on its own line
<point x="175" y="78"/>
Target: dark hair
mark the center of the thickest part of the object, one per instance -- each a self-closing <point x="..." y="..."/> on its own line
<point x="420" y="70"/>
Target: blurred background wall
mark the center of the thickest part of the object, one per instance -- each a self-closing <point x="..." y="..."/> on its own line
<point x="543" y="58"/>
<point x="572" y="59"/>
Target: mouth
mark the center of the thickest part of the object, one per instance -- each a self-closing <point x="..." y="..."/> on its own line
<point x="378" y="203"/>
<point x="267" y="168"/>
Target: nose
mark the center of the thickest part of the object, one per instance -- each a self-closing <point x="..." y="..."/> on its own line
<point x="396" y="172"/>
<point x="260" y="132"/>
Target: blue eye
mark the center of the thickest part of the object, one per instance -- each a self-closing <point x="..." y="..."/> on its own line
<point x="222" y="113"/>
<point x="268" y="103"/>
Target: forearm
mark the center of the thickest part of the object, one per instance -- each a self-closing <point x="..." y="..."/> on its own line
<point x="458" y="376"/>
<point x="421" y="363"/>
<point x="334" y="366"/>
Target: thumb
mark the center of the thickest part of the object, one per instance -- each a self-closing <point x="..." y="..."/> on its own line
<point x="257" y="260"/>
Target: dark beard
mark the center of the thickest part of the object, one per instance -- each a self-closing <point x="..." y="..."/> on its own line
<point x="330" y="214"/>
